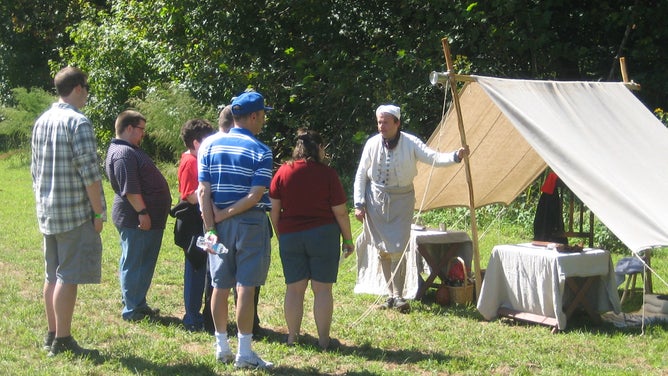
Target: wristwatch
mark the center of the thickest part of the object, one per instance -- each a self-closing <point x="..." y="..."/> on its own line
<point x="142" y="212"/>
<point x="359" y="205"/>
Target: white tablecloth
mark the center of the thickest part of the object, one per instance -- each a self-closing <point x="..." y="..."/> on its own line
<point x="532" y="279"/>
<point x="370" y="278"/>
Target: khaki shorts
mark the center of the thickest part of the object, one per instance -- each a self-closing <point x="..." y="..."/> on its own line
<point x="75" y="256"/>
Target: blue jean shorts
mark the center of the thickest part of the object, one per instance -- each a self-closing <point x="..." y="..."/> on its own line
<point x="75" y="256"/>
<point x="311" y="254"/>
<point x="247" y="238"/>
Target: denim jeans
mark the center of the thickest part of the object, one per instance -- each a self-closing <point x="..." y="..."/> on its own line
<point x="139" y="255"/>
<point x="193" y="291"/>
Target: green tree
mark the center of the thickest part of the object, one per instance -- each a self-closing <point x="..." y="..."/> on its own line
<point x="30" y="34"/>
<point x="116" y="50"/>
<point x="327" y="64"/>
<point x="570" y="40"/>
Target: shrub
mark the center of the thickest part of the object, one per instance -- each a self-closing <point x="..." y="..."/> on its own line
<point x="166" y="109"/>
<point x="18" y="117"/>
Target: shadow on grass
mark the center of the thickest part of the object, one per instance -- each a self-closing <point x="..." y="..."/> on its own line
<point x="157" y="320"/>
<point x="307" y="342"/>
<point x="399" y="357"/>
<point x="365" y="350"/>
<point x="428" y="304"/>
<point x="579" y="321"/>
<point x="144" y="366"/>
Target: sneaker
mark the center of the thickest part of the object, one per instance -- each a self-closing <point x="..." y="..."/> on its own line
<point x="224" y="356"/>
<point x="252" y="361"/>
<point x="68" y="344"/>
<point x="389" y="303"/>
<point x="48" y="340"/>
<point x="402" y="305"/>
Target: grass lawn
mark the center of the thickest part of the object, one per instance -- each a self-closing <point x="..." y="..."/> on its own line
<point x="431" y="340"/>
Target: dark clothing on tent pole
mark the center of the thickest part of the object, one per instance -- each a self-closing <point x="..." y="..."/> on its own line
<point x="548" y="223"/>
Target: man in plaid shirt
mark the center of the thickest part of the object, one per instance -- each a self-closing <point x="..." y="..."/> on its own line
<point x="70" y="206"/>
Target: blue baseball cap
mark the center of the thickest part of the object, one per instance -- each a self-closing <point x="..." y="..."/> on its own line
<point x="249" y="102"/>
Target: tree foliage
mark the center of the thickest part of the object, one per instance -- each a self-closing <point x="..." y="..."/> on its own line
<point x="16" y="121"/>
<point x="30" y="34"/>
<point x="326" y="64"/>
<point x="167" y="109"/>
<point x="323" y="64"/>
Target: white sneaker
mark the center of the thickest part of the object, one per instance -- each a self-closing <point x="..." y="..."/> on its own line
<point x="252" y="361"/>
<point x="224" y="356"/>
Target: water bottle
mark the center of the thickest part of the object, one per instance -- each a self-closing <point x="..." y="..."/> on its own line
<point x="205" y="243"/>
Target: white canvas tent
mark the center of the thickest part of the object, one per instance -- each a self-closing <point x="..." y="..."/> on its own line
<point x="606" y="146"/>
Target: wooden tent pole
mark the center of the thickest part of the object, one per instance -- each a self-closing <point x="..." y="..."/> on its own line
<point x="467" y="167"/>
<point x="622" y="68"/>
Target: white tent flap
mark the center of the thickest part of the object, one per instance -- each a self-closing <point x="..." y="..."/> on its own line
<point x="604" y="144"/>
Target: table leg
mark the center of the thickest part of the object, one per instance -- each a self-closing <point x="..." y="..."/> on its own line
<point x="580" y="294"/>
<point x="436" y="269"/>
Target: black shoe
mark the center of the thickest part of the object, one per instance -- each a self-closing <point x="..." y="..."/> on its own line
<point x="389" y="303"/>
<point x="68" y="344"/>
<point x="193" y="328"/>
<point x="401" y="305"/>
<point x="138" y="316"/>
<point x="142" y="313"/>
<point x="148" y="311"/>
<point x="48" y="340"/>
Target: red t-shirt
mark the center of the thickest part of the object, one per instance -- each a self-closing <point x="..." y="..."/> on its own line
<point x="307" y="191"/>
<point x="187" y="175"/>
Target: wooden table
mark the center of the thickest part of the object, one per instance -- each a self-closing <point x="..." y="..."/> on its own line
<point x="536" y="284"/>
<point x="437" y="248"/>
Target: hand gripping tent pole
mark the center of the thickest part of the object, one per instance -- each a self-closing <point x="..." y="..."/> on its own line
<point x="467" y="167"/>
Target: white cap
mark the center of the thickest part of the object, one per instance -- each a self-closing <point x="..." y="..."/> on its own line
<point x="389" y="109"/>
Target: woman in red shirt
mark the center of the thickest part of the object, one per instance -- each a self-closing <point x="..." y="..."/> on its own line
<point x="309" y="216"/>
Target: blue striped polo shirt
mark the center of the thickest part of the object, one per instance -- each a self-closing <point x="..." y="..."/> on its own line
<point x="232" y="164"/>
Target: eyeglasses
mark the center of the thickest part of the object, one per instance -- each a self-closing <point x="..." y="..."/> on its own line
<point x="86" y="86"/>
<point x="136" y="126"/>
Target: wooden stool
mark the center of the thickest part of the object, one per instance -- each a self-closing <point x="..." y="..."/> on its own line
<point x="631" y="275"/>
<point x="630" y="285"/>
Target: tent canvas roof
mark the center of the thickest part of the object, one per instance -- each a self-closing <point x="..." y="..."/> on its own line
<point x="598" y="137"/>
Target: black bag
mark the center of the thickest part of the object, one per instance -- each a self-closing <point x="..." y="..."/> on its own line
<point x="196" y="255"/>
<point x="188" y="227"/>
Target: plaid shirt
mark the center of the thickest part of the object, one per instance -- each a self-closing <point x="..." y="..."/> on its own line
<point x="64" y="162"/>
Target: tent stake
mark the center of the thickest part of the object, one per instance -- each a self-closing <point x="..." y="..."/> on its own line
<point x="467" y="167"/>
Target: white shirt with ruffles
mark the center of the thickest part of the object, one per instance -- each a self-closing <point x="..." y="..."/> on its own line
<point x="397" y="167"/>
